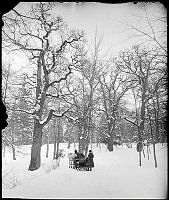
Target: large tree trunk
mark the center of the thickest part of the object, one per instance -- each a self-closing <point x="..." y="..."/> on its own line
<point x="141" y="126"/>
<point x="142" y="118"/>
<point x="80" y="139"/>
<point x="36" y="147"/>
<point x="68" y="146"/>
<point x="55" y="138"/>
<point x="58" y="137"/>
<point x="69" y="139"/>
<point x="110" y="144"/>
<point x="110" y="139"/>
<point x="87" y="145"/>
<point x="154" y="150"/>
<point x="13" y="140"/>
<point x="13" y="153"/>
<point x="47" y="150"/>
<point x="156" y="115"/>
<point x="139" y="158"/>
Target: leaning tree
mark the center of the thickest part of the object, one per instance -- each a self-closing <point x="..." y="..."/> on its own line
<point x="49" y="45"/>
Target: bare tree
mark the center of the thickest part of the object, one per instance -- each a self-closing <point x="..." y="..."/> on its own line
<point x="113" y="87"/>
<point x="153" y="30"/>
<point x="143" y="65"/>
<point x="45" y="41"/>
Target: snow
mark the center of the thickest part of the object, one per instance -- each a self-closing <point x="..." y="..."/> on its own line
<point x="116" y="175"/>
<point x="37" y="107"/>
<point x="43" y="121"/>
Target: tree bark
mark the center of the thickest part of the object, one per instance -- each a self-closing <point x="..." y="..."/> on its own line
<point x="54" y="132"/>
<point x="143" y="153"/>
<point x="154" y="150"/>
<point x="13" y="135"/>
<point x="139" y="158"/>
<point x="142" y="117"/>
<point x="58" y="137"/>
<point x="87" y="145"/>
<point x="13" y="152"/>
<point x="147" y="152"/>
<point x="154" y="153"/>
<point x="156" y="115"/>
<point x="69" y="139"/>
<point x="68" y="146"/>
<point x="47" y="144"/>
<point x="80" y="140"/>
<point x="110" y="144"/>
<point x="111" y="128"/>
<point x="36" y="147"/>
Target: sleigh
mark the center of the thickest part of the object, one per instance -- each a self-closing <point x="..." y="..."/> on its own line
<point x="71" y="157"/>
<point x="80" y="163"/>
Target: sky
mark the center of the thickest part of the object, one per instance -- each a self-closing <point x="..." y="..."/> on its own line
<point x="108" y="19"/>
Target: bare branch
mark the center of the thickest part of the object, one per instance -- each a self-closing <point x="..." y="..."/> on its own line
<point x="21" y="110"/>
<point x="62" y="78"/>
<point x="130" y="121"/>
<point x="62" y="114"/>
<point x="33" y="18"/>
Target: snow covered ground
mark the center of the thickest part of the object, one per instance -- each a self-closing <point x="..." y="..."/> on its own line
<point x="116" y="175"/>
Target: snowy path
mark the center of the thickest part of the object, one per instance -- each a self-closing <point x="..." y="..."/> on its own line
<point x="116" y="175"/>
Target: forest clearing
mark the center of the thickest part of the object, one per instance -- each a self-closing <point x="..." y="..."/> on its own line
<point x="116" y="174"/>
<point x="90" y="77"/>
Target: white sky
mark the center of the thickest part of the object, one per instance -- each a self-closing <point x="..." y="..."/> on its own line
<point x="109" y="20"/>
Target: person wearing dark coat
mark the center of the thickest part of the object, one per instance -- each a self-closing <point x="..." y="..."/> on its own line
<point x="90" y="162"/>
<point x="76" y="159"/>
<point x="76" y="154"/>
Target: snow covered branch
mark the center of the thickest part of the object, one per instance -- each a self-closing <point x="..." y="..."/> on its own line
<point x="51" y="113"/>
<point x="62" y="78"/>
<point x="129" y="121"/>
<point x="45" y="121"/>
<point x="21" y="110"/>
<point x="62" y="114"/>
<point x="71" y="118"/>
<point x="51" y="95"/>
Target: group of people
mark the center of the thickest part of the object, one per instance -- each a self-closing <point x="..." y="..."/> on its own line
<point x="81" y="161"/>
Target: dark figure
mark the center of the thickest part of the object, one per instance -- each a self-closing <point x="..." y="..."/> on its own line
<point x="89" y="161"/>
<point x="82" y="160"/>
<point x="79" y="160"/>
<point x="81" y="156"/>
<point x="139" y="146"/>
<point x="76" y="159"/>
<point x="77" y="154"/>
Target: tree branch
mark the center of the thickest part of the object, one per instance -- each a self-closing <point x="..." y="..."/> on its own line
<point x="62" y="78"/>
<point x="20" y="110"/>
<point x="61" y="115"/>
<point x="130" y="121"/>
